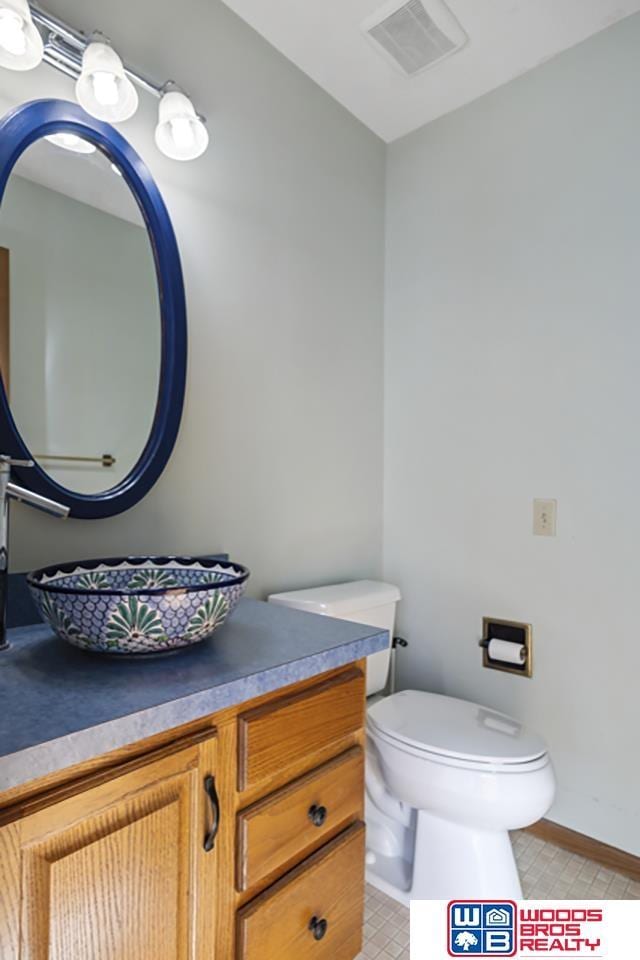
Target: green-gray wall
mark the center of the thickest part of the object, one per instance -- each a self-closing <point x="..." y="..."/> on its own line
<point x="280" y="227"/>
<point x="512" y="350"/>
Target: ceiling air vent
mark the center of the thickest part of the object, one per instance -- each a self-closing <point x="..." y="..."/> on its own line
<point x="415" y="35"/>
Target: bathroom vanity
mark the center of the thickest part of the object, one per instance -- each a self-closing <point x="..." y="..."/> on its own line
<point x="236" y="833"/>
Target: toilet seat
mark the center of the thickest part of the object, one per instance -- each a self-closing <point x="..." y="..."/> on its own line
<point x="455" y="732"/>
<point x="493" y="767"/>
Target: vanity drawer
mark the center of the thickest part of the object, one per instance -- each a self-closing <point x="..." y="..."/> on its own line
<point x="316" y="911"/>
<point x="296" y="820"/>
<point x="288" y="731"/>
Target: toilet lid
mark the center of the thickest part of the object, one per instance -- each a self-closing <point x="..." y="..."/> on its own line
<point x="454" y="728"/>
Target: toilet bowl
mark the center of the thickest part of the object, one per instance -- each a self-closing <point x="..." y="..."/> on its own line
<point x="468" y="775"/>
<point x="446" y="780"/>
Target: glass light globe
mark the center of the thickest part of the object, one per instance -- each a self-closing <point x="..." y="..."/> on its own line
<point x="21" y="46"/>
<point x="180" y="134"/>
<point x="103" y="88"/>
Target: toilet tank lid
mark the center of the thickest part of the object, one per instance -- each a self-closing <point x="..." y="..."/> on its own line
<point x="340" y="598"/>
<point x="455" y="728"/>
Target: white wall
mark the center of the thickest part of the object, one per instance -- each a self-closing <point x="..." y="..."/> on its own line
<point x="85" y="331"/>
<point x="512" y="356"/>
<point x="280" y="226"/>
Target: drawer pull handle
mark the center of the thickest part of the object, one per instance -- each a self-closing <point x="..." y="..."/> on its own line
<point x="212" y="794"/>
<point x="318" y="927"/>
<point x="317" y="815"/>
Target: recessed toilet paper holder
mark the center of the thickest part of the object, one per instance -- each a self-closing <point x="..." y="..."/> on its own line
<point x="512" y="632"/>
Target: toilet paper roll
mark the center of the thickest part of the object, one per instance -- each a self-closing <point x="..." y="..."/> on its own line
<point x="507" y="652"/>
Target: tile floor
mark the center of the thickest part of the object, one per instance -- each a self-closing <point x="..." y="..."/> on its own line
<point x="386" y="928"/>
<point x="548" y="873"/>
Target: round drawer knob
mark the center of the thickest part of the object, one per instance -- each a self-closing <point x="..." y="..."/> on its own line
<point x="317" y="815"/>
<point x="318" y="927"/>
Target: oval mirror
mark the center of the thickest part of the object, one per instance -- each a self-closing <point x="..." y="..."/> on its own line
<point x="79" y="316"/>
<point x="92" y="338"/>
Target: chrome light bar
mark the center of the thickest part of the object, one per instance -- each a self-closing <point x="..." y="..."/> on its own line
<point x="64" y="47"/>
<point x="105" y="84"/>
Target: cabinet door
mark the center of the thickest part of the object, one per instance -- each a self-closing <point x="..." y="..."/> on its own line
<point x="118" y="871"/>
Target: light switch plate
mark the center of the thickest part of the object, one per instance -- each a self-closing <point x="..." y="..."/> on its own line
<point x="545" y="517"/>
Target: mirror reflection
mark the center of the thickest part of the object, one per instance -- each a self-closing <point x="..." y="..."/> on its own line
<point x="80" y="333"/>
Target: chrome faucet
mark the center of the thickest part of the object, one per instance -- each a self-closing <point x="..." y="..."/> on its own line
<point x="11" y="491"/>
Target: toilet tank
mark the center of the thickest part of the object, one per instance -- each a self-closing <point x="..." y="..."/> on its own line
<point x="363" y="601"/>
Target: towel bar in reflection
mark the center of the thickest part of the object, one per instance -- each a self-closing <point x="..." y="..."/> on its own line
<point x="106" y="460"/>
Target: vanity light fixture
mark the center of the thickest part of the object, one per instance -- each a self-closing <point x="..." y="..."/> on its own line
<point x="105" y="85"/>
<point x="21" y="46"/>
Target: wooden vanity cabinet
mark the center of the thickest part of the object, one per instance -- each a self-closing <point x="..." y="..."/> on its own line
<point x="116" y="867"/>
<point x="239" y="838"/>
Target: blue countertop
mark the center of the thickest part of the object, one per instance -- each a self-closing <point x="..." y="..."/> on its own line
<point x="60" y="706"/>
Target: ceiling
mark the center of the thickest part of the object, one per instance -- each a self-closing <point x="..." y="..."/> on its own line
<point x="506" y="38"/>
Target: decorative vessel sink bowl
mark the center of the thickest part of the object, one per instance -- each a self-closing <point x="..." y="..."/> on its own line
<point x="137" y="605"/>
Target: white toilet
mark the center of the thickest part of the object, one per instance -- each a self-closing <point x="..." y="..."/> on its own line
<point x="446" y="779"/>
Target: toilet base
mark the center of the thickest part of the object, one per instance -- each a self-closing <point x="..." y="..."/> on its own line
<point x="451" y="862"/>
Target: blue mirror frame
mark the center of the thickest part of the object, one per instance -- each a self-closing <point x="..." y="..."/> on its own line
<point x="18" y="130"/>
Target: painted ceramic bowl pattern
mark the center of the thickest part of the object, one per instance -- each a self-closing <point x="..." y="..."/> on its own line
<point x="137" y="605"/>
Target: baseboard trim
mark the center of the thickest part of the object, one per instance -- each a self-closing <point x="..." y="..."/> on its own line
<point x="610" y="857"/>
